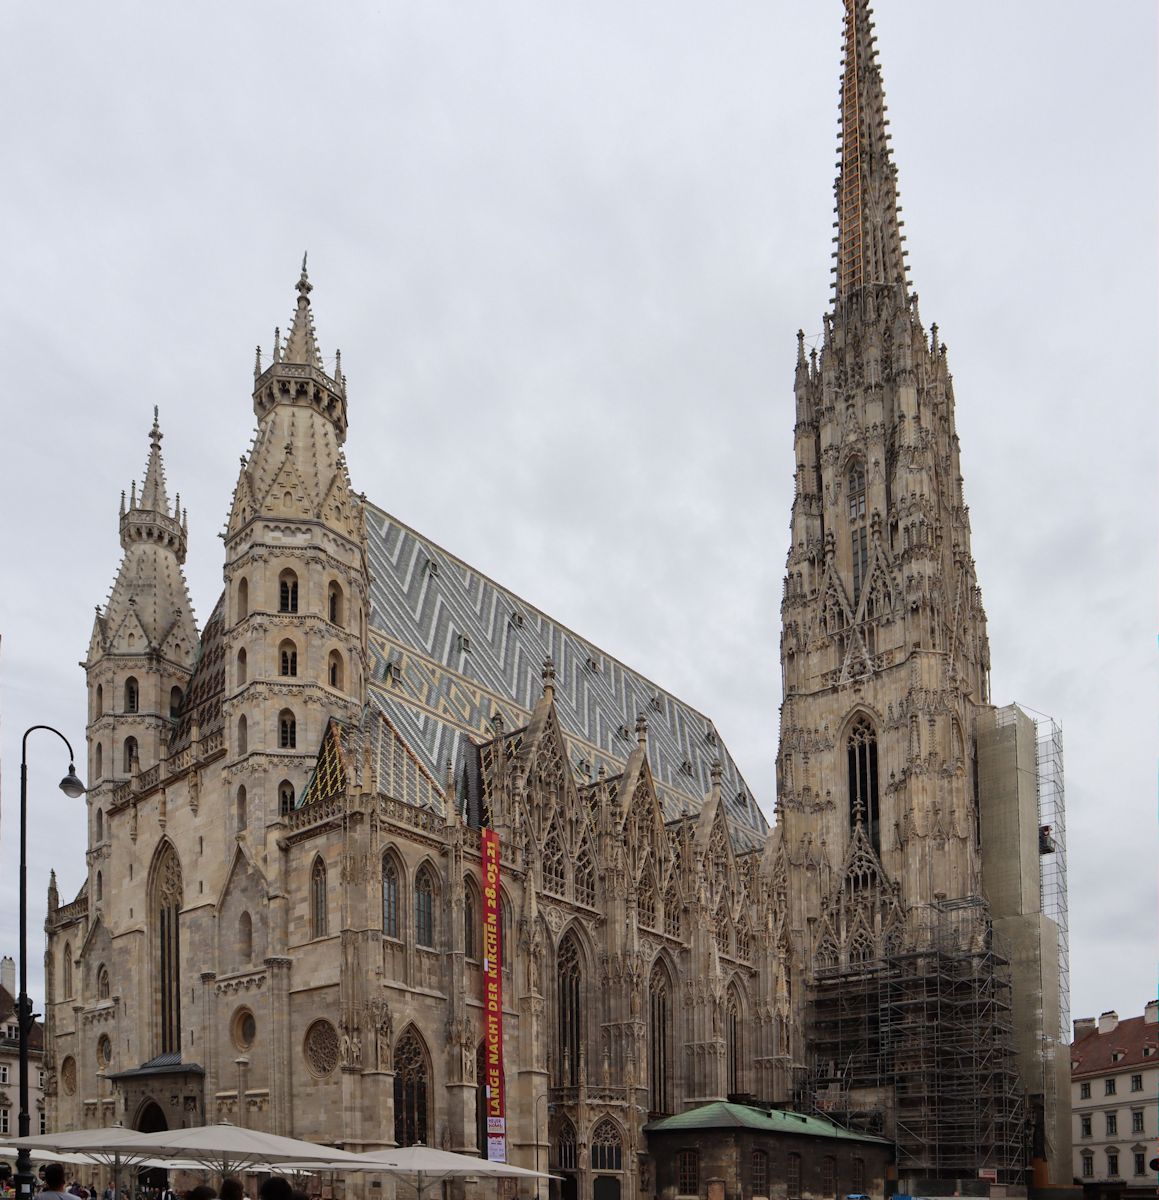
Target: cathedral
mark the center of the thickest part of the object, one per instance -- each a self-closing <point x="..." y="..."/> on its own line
<point x="383" y="854"/>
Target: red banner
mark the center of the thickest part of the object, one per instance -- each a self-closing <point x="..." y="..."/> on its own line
<point x="493" y="1002"/>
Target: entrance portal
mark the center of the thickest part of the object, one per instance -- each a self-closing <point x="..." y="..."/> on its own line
<point x="606" y="1187"/>
<point x="151" y="1119"/>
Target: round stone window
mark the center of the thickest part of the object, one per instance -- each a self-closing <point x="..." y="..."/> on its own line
<point x="68" y="1075"/>
<point x="245" y="1029"/>
<point x="321" y="1047"/>
<point x="104" y="1050"/>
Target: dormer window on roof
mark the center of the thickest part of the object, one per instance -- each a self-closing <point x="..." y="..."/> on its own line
<point x="624" y="732"/>
<point x="392" y="672"/>
<point x="517" y="619"/>
<point x="593" y="663"/>
<point x="656" y="704"/>
<point x="431" y="567"/>
<point x="686" y="767"/>
<point x="464" y="643"/>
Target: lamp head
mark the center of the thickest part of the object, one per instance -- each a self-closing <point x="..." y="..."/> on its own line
<point x="71" y="785"/>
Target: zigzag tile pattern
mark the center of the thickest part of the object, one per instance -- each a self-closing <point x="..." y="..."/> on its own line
<point x="451" y="649"/>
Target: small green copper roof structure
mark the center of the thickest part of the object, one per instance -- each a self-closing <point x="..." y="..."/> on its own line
<point x="722" y="1115"/>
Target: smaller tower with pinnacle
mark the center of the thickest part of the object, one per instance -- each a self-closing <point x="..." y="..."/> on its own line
<point x="144" y="640"/>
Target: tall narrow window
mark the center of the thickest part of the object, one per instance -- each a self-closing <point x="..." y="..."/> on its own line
<point x="98" y="762"/>
<point x="411" y="1085"/>
<point x="334" y="670"/>
<point x="390" y="913"/>
<point x="569" y="1012"/>
<point x="242" y="735"/>
<point x="242" y="813"/>
<point x="859" y="1175"/>
<point x="659" y="1041"/>
<point x="287" y="592"/>
<point x="334" y="603"/>
<point x="100" y="887"/>
<point x="553" y="870"/>
<point x="245" y="937"/>
<point x="287" y="730"/>
<point x="585" y="879"/>
<point x="318" y="913"/>
<point x="470" y="924"/>
<point x="241" y="667"/>
<point x="566" y="1157"/>
<point x="130" y="754"/>
<point x="760" y="1173"/>
<point x="863" y="794"/>
<point x="424" y="908"/>
<point x="103" y="988"/>
<point x="858" y="534"/>
<point x="243" y="598"/>
<point x="168" y="894"/>
<point x="688" y="1172"/>
<point x="646" y="901"/>
<point x="733" y="1047"/>
<point x="175" y="698"/>
<point x="829" y="1177"/>
<point x="288" y="659"/>
<point x="66" y="971"/>
<point x="285" y="798"/>
<point x="132" y="695"/>
<point x="99" y="825"/>
<point x="672" y="910"/>
<point x="793" y="1176"/>
<point x="99" y="701"/>
<point x="505" y="934"/>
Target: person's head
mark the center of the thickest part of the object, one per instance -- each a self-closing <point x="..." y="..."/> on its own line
<point x="231" y="1188"/>
<point x="202" y="1192"/>
<point x="277" y="1187"/>
<point x="54" y="1177"/>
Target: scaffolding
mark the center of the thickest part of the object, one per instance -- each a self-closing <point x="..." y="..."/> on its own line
<point x="917" y="1047"/>
<point x="1052" y="853"/>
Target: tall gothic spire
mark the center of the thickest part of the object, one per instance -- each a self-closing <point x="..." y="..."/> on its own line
<point x="869" y="238"/>
<point x="148" y="517"/>
<point x="153" y="494"/>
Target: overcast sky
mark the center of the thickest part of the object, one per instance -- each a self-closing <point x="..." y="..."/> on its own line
<point x="565" y="252"/>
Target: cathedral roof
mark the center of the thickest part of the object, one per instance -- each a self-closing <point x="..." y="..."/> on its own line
<point x="720" y="1114"/>
<point x="451" y="649"/>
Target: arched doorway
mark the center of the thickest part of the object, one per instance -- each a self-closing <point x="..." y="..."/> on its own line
<point x="151" y="1119"/>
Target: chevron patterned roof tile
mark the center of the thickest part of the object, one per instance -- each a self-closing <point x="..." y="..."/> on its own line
<point x="451" y="648"/>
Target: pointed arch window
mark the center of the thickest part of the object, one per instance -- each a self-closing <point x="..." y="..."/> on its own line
<point x="411" y="1089"/>
<point x="607" y="1147"/>
<point x="858" y="532"/>
<point x="425" y="908"/>
<point x="103" y="989"/>
<point x="318" y="910"/>
<point x="132" y="695"/>
<point x="100" y="887"/>
<point x="288" y="659"/>
<point x="245" y="937"/>
<point x="176" y="696"/>
<point x="99" y="825"/>
<point x="585" y="879"/>
<point x="243" y="598"/>
<point x="98" y="762"/>
<point x="99" y="701"/>
<point x="569" y="1011"/>
<point x="287" y="730"/>
<point x="733" y="1044"/>
<point x="287" y="592"/>
<point x="241" y="811"/>
<point x="167" y="898"/>
<point x="659" y="1041"/>
<point x="285" y="798"/>
<point x="334" y="671"/>
<point x="553" y="868"/>
<point x="130" y="754"/>
<point x="242" y="735"/>
<point x="743" y="942"/>
<point x="390" y="893"/>
<point x="565" y="1152"/>
<point x="241" y="666"/>
<point x="505" y="942"/>
<point x="470" y="923"/>
<point x="861" y="753"/>
<point x="66" y="971"/>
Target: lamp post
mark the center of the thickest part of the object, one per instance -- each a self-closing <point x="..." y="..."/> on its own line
<point x="72" y="787"/>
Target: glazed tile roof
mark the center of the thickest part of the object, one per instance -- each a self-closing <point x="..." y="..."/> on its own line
<point x="450" y="648"/>
<point x="722" y="1115"/>
<point x="1094" y="1053"/>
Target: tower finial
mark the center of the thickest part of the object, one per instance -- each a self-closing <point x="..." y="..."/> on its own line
<point x="869" y="241"/>
<point x="301" y="346"/>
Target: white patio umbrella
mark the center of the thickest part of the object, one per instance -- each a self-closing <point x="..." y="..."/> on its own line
<point x="105" y="1146"/>
<point x="424" y="1165"/>
<point x="229" y="1148"/>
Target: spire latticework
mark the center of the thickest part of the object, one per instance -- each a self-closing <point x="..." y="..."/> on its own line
<point x="869" y="239"/>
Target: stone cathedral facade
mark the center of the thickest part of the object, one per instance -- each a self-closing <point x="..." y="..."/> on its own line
<point x="281" y="922"/>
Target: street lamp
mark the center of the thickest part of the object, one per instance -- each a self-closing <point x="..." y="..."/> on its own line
<point x="72" y="787"/>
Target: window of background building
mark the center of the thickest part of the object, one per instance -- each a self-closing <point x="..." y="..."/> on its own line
<point x="1140" y="1162"/>
<point x="760" y="1173"/>
<point x="1136" y="1083"/>
<point x="793" y="1176"/>
<point x="1088" y="1165"/>
<point x="688" y="1173"/>
<point x="5" y="1121"/>
<point x="1112" y="1123"/>
<point x="1136" y="1122"/>
<point x="1084" y="1091"/>
<point x="1112" y="1162"/>
<point x="1109" y="1087"/>
<point x="1085" y="1126"/>
<point x="3" y="1072"/>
